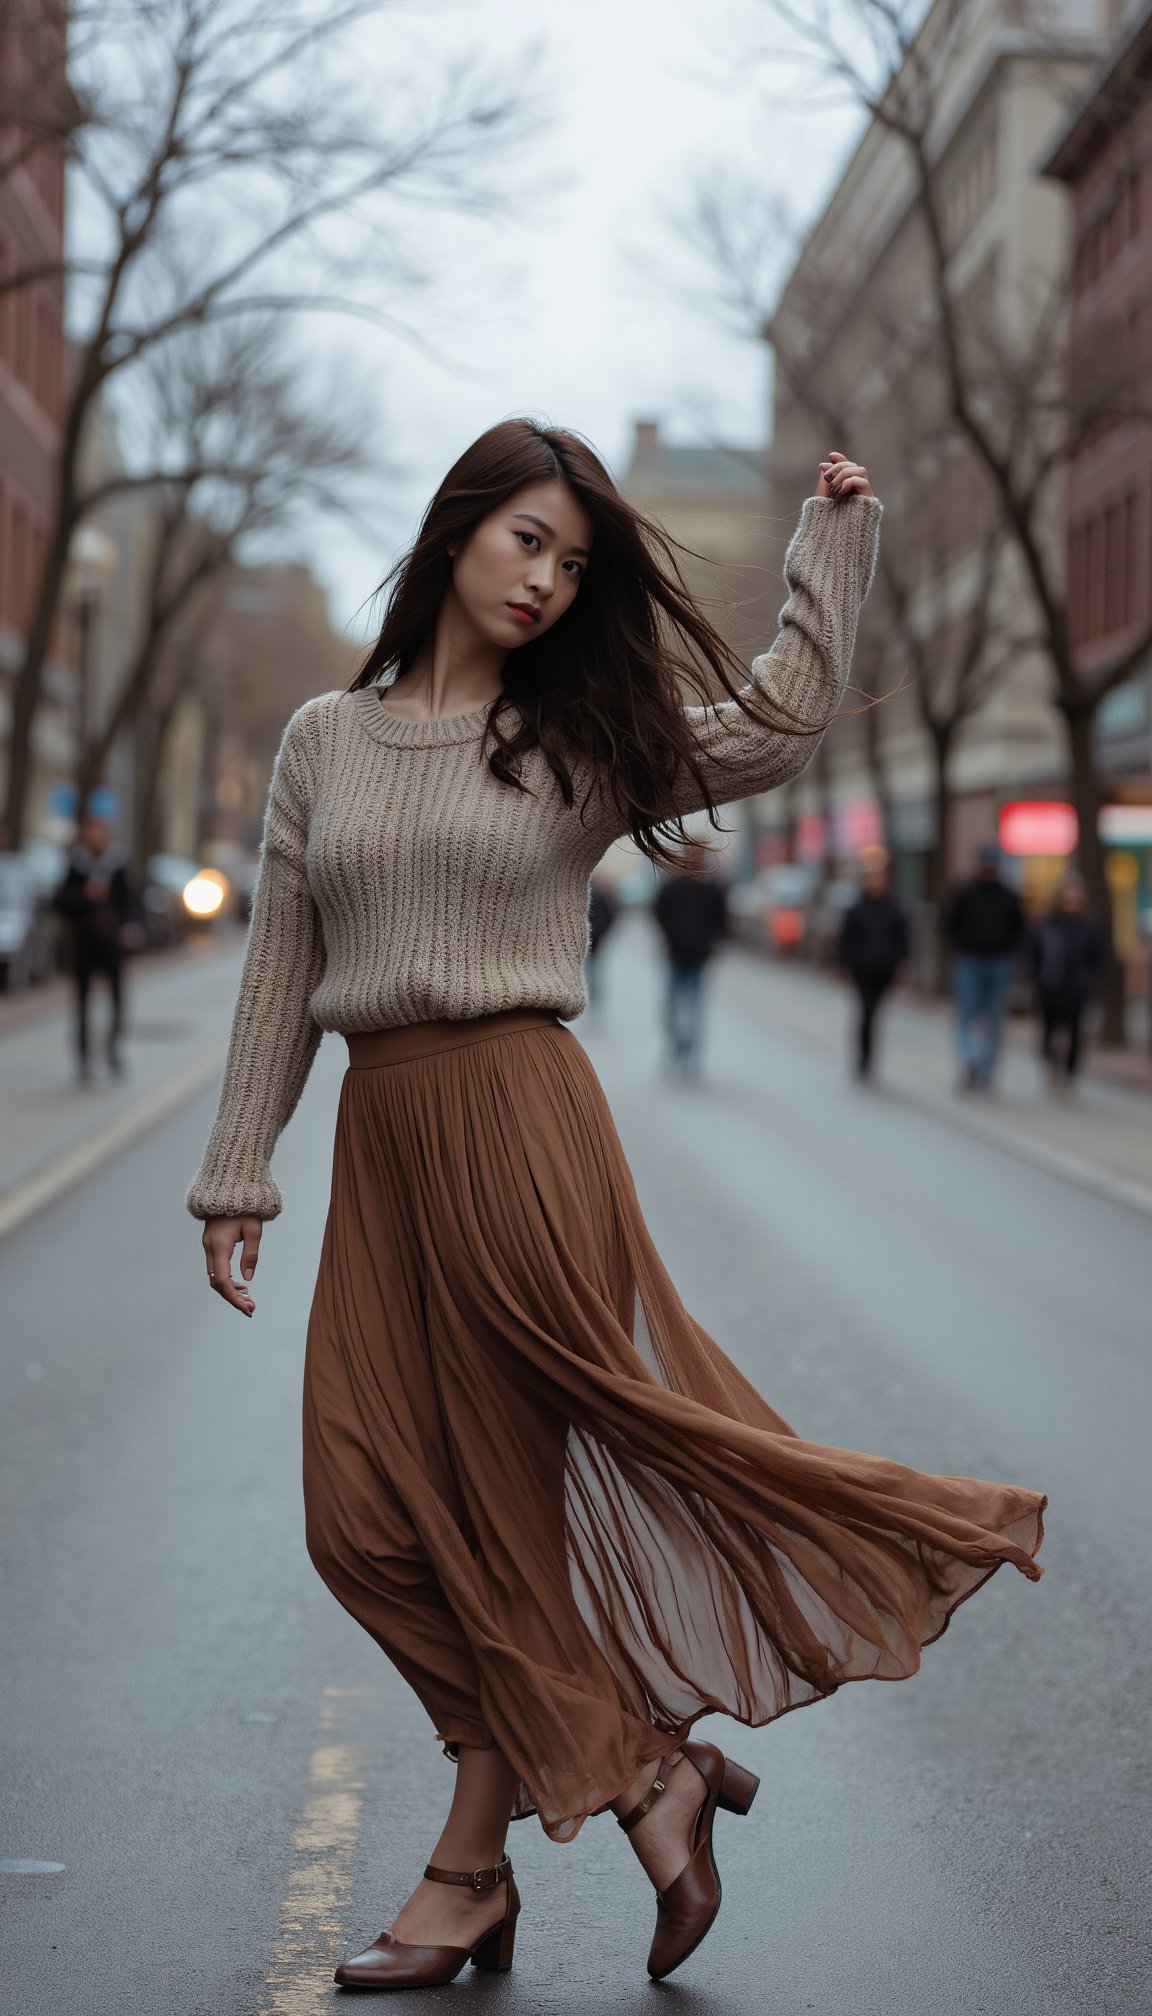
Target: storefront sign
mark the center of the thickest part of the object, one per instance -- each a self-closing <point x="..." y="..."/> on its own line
<point x="856" y="825"/>
<point x="1038" y="827"/>
<point x="1126" y="825"/>
<point x="810" y="837"/>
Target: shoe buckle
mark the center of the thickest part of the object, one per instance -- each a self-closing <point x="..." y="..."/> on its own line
<point x="477" y="1879"/>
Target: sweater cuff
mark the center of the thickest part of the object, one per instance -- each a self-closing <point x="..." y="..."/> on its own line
<point x="251" y="1194"/>
<point x="850" y="524"/>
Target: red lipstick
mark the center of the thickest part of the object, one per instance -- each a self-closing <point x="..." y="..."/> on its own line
<point x="526" y="611"/>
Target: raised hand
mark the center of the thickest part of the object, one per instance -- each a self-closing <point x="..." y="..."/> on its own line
<point x="840" y="478"/>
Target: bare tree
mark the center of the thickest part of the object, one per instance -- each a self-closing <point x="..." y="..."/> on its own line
<point x="1021" y="403"/>
<point x="223" y="407"/>
<point x="238" y="157"/>
<point x="911" y="637"/>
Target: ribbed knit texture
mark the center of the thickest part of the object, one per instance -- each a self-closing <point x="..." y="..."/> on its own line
<point x="401" y="882"/>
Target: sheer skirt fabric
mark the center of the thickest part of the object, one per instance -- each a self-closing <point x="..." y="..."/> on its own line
<point x="547" y="1494"/>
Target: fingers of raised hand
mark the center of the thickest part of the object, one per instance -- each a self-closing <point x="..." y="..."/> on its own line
<point x="221" y="1236"/>
<point x="840" y="478"/>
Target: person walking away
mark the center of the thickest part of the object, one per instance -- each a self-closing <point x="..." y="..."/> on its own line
<point x="96" y="897"/>
<point x="984" y="926"/>
<point x="603" y="910"/>
<point x="691" y="912"/>
<point x="1068" y="952"/>
<point x="871" y="948"/>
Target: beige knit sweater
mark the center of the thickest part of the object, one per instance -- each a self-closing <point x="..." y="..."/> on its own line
<point x="401" y="881"/>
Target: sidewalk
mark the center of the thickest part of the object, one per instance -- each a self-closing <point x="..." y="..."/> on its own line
<point x="54" y="1131"/>
<point x="1099" y="1135"/>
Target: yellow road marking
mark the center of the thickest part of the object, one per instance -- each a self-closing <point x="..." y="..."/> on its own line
<point x="308" y="1939"/>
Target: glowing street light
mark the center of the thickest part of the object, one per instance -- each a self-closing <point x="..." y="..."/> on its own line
<point x="205" y="893"/>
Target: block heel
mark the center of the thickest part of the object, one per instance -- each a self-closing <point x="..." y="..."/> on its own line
<point x="738" y="1788"/>
<point x="390" y="1963"/>
<point x="495" y="1955"/>
<point x="686" y="1911"/>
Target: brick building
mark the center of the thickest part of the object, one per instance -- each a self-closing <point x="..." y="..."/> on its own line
<point x="32" y="362"/>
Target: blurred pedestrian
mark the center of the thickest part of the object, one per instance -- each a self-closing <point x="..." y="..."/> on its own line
<point x="984" y="925"/>
<point x="871" y="947"/>
<point x="557" y="1505"/>
<point x="691" y="912"/>
<point x="1068" y="954"/>
<point x="603" y="909"/>
<point x="97" y="899"/>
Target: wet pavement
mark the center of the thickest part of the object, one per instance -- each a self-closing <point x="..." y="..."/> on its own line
<point x="240" y="1789"/>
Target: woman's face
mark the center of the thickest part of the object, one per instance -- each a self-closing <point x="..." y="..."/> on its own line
<point x="522" y="566"/>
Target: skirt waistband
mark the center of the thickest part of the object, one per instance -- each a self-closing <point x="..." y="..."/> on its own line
<point x="426" y="1039"/>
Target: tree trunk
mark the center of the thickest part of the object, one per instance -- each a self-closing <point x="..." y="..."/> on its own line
<point x="26" y="696"/>
<point x="940" y="861"/>
<point x="1080" y="728"/>
<point x="150" y="743"/>
<point x="29" y="679"/>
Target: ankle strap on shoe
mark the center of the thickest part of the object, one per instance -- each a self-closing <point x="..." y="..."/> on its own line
<point x="658" y="1785"/>
<point x="474" y="1879"/>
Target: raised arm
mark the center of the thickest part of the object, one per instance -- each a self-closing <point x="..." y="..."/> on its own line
<point x="828" y="568"/>
<point x="274" y="1038"/>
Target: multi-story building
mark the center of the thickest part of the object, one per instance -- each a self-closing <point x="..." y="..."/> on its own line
<point x="844" y="334"/>
<point x="714" y="501"/>
<point x="32" y="384"/>
<point x="1103" y="156"/>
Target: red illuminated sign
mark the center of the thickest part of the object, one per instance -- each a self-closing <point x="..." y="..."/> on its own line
<point x="1038" y="827"/>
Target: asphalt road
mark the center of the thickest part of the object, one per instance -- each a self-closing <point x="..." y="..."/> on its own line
<point x="240" y="1789"/>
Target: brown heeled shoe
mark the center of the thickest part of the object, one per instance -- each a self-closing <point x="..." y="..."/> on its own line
<point x="389" y="1963"/>
<point x="686" y="1911"/>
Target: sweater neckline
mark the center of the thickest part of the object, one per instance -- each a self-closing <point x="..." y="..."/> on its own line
<point x="401" y="732"/>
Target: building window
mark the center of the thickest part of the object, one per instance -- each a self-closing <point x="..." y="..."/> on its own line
<point x="1104" y="581"/>
<point x="1104" y="236"/>
<point x="7" y="302"/>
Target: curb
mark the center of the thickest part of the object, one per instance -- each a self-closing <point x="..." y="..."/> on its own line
<point x="1054" y="1161"/>
<point x="25" y="1198"/>
<point x="951" y="1111"/>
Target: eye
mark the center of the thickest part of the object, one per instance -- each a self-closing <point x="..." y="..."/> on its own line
<point x="531" y="540"/>
<point x="575" y="567"/>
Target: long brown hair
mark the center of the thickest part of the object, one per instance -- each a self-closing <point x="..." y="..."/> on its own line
<point x="605" y="686"/>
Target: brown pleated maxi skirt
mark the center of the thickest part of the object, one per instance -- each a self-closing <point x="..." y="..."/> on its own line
<point x="569" y="1521"/>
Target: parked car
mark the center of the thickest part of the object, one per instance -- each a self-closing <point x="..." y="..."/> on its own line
<point x="772" y="908"/>
<point x="28" y="927"/>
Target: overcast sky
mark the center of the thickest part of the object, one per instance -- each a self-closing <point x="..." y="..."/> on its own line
<point x="567" y="306"/>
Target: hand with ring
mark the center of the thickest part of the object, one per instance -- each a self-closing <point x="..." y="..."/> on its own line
<point x="220" y="1239"/>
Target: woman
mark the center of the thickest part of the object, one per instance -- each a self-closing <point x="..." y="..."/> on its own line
<point x="551" y="1499"/>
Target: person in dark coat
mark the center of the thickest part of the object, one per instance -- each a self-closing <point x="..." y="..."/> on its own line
<point x="984" y="925"/>
<point x="603" y="910"/>
<point x="96" y="897"/>
<point x="691" y="912"/>
<point x="871" y="948"/>
<point x="1068" y="954"/>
